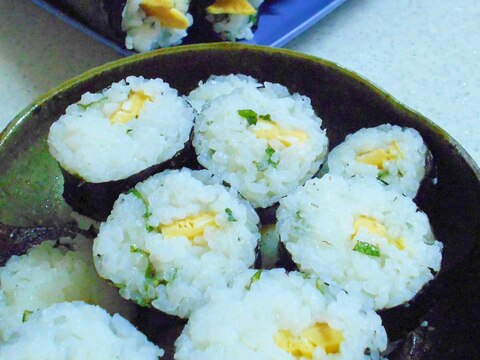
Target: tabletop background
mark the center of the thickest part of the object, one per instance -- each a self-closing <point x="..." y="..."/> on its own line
<point x="426" y="53"/>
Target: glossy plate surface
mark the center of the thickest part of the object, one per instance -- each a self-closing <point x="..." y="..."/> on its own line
<point x="279" y="21"/>
<point x="31" y="182"/>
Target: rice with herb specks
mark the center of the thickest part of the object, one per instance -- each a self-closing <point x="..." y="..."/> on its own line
<point x="393" y="155"/>
<point x="263" y="141"/>
<point x="78" y="331"/>
<point x="124" y="129"/>
<point x="361" y="236"/>
<point x="274" y="315"/>
<point x="175" y="237"/>
<point x="50" y="273"/>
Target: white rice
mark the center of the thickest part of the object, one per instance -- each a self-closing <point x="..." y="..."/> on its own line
<point x="227" y="144"/>
<point x="46" y="275"/>
<point x="234" y="27"/>
<point x="175" y="274"/>
<point x="403" y="173"/>
<point x="145" y="33"/>
<point x="86" y="143"/>
<point x="242" y="322"/>
<point x="317" y="225"/>
<point x="77" y="331"/>
<point x="217" y="86"/>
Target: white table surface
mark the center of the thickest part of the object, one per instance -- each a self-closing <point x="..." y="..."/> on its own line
<point x="426" y="53"/>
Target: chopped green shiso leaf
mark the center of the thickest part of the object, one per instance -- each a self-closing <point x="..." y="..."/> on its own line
<point x="86" y="106"/>
<point x="147" y="213"/>
<point x="249" y="115"/>
<point x="382" y="176"/>
<point x="366" y="249"/>
<point x="26" y="315"/>
<point x="252" y="117"/>
<point x="254" y="278"/>
<point x="134" y="249"/>
<point x="270" y="151"/>
<point x="230" y="216"/>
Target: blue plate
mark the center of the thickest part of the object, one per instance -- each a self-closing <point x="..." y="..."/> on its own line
<point x="279" y="21"/>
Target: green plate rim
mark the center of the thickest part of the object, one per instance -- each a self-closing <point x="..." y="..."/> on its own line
<point x="24" y="114"/>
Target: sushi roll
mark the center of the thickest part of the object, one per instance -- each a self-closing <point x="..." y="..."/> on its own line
<point x="274" y="315"/>
<point x="175" y="237"/>
<point x="260" y="139"/>
<point x="110" y="140"/>
<point x="233" y="19"/>
<point x="219" y="85"/>
<point x="51" y="273"/>
<point x="77" y="331"/>
<point x="397" y="157"/>
<point x="153" y="24"/>
<point x="361" y="236"/>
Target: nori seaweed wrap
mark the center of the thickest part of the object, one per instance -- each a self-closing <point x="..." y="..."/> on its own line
<point x="109" y="141"/>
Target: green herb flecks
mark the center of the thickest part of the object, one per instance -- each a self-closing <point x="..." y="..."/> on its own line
<point x="410" y="226"/>
<point x="141" y="301"/>
<point x="86" y="106"/>
<point x="128" y="131"/>
<point x="252" y="18"/>
<point x="134" y="249"/>
<point x="249" y="115"/>
<point x="270" y="152"/>
<point x="254" y="278"/>
<point x="382" y="175"/>
<point x="147" y="213"/>
<point x="230" y="216"/>
<point x="321" y="286"/>
<point x="367" y="249"/>
<point x="26" y="315"/>
<point x="252" y="117"/>
<point x="151" y="278"/>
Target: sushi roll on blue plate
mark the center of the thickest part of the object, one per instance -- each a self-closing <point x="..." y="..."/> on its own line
<point x="153" y="24"/>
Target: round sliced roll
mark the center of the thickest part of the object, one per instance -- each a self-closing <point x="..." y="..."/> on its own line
<point x="51" y="273"/>
<point x="395" y="156"/>
<point x="273" y="315"/>
<point x="361" y="236"/>
<point x="109" y="141"/>
<point x="77" y="331"/>
<point x="263" y="141"/>
<point x="153" y="24"/>
<point x="122" y="130"/>
<point x="233" y="19"/>
<point x="175" y="237"/>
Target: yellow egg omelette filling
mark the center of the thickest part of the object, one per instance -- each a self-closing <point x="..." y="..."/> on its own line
<point x="303" y="345"/>
<point x="165" y="12"/>
<point x="235" y="7"/>
<point x="378" y="157"/>
<point x="190" y="227"/>
<point x="270" y="130"/>
<point x="374" y="227"/>
<point x="130" y="108"/>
